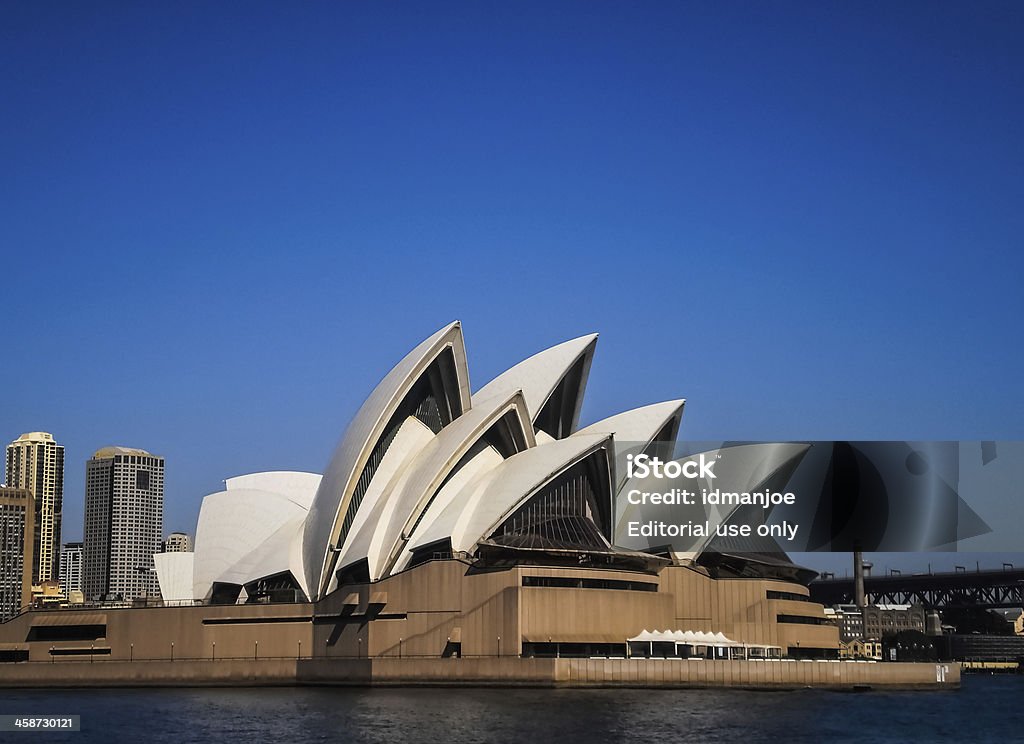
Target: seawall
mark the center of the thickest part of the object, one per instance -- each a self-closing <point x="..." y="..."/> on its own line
<point x="492" y="672"/>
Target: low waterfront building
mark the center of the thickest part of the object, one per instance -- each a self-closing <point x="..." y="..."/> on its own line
<point x="860" y="649"/>
<point x="48" y="594"/>
<point x="977" y="647"/>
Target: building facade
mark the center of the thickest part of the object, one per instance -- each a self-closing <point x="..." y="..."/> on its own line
<point x="858" y="649"/>
<point x="849" y="618"/>
<point x="71" y="567"/>
<point x="884" y="620"/>
<point x="874" y="622"/>
<point x="1013" y="617"/>
<point x="124" y="519"/>
<point x="17" y="522"/>
<point x="177" y="542"/>
<point x="36" y="462"/>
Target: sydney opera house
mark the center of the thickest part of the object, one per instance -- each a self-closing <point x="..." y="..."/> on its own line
<point x="458" y="523"/>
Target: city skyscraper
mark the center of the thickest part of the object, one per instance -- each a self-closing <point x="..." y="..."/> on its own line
<point x="17" y="521"/>
<point x="178" y="542"/>
<point x="71" y="567"/>
<point x="124" y="522"/>
<point x="36" y="462"/>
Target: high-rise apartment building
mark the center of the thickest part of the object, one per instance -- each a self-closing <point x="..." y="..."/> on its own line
<point x="178" y="542"/>
<point x="36" y="462"/>
<point x="71" y="567"/>
<point x="124" y="523"/>
<point x="17" y="522"/>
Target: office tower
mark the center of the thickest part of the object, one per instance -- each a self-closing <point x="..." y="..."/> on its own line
<point x="178" y="542"/>
<point x="71" y="567"/>
<point x="36" y="462"/>
<point x="17" y="521"/>
<point x="124" y="523"/>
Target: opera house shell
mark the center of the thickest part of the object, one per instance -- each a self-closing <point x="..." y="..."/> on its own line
<point x="454" y="522"/>
<point x="432" y="478"/>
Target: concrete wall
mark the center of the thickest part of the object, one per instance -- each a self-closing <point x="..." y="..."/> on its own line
<point x="196" y="632"/>
<point x="495" y="672"/>
<point x="417" y="612"/>
<point x="753" y="674"/>
<point x="439" y="601"/>
<point x="82" y="673"/>
<point x="740" y="609"/>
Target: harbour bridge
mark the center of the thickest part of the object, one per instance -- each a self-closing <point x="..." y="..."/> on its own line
<point x="982" y="589"/>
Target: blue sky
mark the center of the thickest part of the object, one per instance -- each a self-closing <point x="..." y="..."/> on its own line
<point x="222" y="223"/>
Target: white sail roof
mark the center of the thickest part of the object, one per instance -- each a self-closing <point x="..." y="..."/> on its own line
<point x="435" y="462"/>
<point x="277" y="554"/>
<point x="366" y="538"/>
<point x="408" y="476"/>
<point x="487" y="500"/>
<point x="635" y="429"/>
<point x="232" y="524"/>
<point x="298" y="486"/>
<point x="174" y="574"/>
<point x="539" y="375"/>
<point x="322" y="529"/>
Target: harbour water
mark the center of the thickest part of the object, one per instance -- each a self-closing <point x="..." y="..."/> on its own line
<point x="987" y="708"/>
